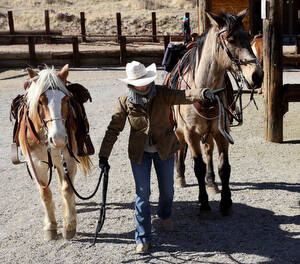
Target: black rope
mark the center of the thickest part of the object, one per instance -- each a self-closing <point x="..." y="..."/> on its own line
<point x="102" y="208"/>
<point x="73" y="188"/>
<point x="104" y="192"/>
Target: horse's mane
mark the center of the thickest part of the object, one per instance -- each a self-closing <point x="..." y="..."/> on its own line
<point x="188" y="61"/>
<point x="46" y="79"/>
<point x="190" y="58"/>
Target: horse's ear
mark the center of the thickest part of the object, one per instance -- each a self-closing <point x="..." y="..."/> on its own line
<point x="215" y="19"/>
<point x="63" y="74"/>
<point x="241" y="15"/>
<point x="31" y="73"/>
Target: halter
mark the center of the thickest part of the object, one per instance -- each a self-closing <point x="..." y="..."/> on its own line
<point x="45" y="121"/>
<point x="238" y="75"/>
<point x="236" y="61"/>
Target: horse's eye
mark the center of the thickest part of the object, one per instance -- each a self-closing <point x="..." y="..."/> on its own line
<point x="40" y="102"/>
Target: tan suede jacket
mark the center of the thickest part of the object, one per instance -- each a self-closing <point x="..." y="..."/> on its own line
<point x="152" y="120"/>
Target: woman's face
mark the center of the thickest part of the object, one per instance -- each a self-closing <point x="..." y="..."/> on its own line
<point x="142" y="88"/>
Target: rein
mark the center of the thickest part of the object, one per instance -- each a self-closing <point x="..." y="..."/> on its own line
<point x="28" y="124"/>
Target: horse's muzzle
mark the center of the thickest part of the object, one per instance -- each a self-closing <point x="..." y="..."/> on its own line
<point x="257" y="79"/>
<point x="57" y="142"/>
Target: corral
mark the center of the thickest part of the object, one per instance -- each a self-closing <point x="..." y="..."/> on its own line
<point x="264" y="227"/>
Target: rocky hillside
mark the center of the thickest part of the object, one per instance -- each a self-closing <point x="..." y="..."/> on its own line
<point x="100" y="15"/>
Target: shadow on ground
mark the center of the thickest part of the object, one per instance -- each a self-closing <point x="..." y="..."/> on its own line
<point x="249" y="231"/>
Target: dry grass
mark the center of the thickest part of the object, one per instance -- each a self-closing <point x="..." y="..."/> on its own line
<point x="100" y="15"/>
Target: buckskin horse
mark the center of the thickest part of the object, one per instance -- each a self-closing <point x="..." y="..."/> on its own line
<point x="224" y="47"/>
<point x="45" y="132"/>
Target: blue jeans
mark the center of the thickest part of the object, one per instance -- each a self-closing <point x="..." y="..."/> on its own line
<point x="165" y="175"/>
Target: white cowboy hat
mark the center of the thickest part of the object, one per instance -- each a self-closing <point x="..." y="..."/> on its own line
<point x="138" y="74"/>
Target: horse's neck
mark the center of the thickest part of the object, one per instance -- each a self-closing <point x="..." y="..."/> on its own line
<point x="209" y="72"/>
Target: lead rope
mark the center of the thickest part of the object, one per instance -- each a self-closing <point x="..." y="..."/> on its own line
<point x="104" y="173"/>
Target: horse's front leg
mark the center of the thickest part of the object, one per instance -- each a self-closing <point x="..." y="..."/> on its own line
<point x="224" y="173"/>
<point x="50" y="224"/>
<point x="200" y="170"/>
<point x="210" y="174"/>
<point x="68" y="200"/>
<point x="179" y="162"/>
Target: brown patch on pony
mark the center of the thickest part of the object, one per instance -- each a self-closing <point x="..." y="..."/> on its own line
<point x="257" y="44"/>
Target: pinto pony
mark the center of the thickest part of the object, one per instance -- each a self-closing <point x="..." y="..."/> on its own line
<point x="46" y="136"/>
<point x="224" y="47"/>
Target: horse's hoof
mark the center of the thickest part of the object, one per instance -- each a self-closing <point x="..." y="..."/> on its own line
<point x="226" y="211"/>
<point x="212" y="189"/>
<point x="69" y="234"/>
<point x="180" y="182"/>
<point x="50" y="235"/>
<point x="259" y="91"/>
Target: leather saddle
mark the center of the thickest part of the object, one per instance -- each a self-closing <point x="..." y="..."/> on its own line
<point x="80" y="96"/>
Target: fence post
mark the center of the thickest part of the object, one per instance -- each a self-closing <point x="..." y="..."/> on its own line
<point x="11" y="22"/>
<point x="119" y="28"/>
<point x="272" y="85"/>
<point x="123" y="54"/>
<point x="154" y="26"/>
<point x="31" y="46"/>
<point x="166" y="41"/>
<point x="203" y="21"/>
<point x="187" y="15"/>
<point x="75" y="51"/>
<point x="47" y="26"/>
<point x="82" y="22"/>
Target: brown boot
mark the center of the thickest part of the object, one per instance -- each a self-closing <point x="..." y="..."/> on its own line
<point x="142" y="248"/>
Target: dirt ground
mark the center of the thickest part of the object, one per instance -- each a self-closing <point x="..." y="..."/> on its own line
<point x="265" y="184"/>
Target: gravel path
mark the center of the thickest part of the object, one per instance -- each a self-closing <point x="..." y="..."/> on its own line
<point x="264" y="227"/>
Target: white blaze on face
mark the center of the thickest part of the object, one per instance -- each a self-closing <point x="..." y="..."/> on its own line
<point x="57" y="134"/>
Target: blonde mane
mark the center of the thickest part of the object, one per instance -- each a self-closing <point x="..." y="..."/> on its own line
<point x="46" y="79"/>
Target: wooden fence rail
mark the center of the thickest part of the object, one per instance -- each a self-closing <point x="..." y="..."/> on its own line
<point x="76" y="57"/>
<point x="82" y="26"/>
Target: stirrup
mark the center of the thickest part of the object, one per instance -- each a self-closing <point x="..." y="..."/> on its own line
<point x="15" y="154"/>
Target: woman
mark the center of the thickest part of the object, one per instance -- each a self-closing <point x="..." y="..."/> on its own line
<point x="152" y="138"/>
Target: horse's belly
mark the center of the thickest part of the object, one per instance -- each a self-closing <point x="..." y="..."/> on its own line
<point x="189" y="119"/>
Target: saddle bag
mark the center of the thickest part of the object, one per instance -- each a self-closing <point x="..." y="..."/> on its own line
<point x="80" y="96"/>
<point x="15" y="107"/>
<point x="173" y="53"/>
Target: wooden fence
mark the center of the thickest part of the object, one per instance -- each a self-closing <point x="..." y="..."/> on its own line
<point x="77" y="57"/>
<point x="277" y="95"/>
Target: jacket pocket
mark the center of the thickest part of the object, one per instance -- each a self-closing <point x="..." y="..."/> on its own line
<point x="137" y="120"/>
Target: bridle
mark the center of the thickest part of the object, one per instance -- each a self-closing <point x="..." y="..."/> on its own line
<point x="46" y="121"/>
<point x="221" y="37"/>
<point x="237" y="75"/>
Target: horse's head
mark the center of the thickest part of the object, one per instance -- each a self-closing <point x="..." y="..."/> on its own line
<point x="234" y="50"/>
<point x="48" y="102"/>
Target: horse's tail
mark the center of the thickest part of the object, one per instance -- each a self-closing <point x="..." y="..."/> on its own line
<point x="85" y="165"/>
